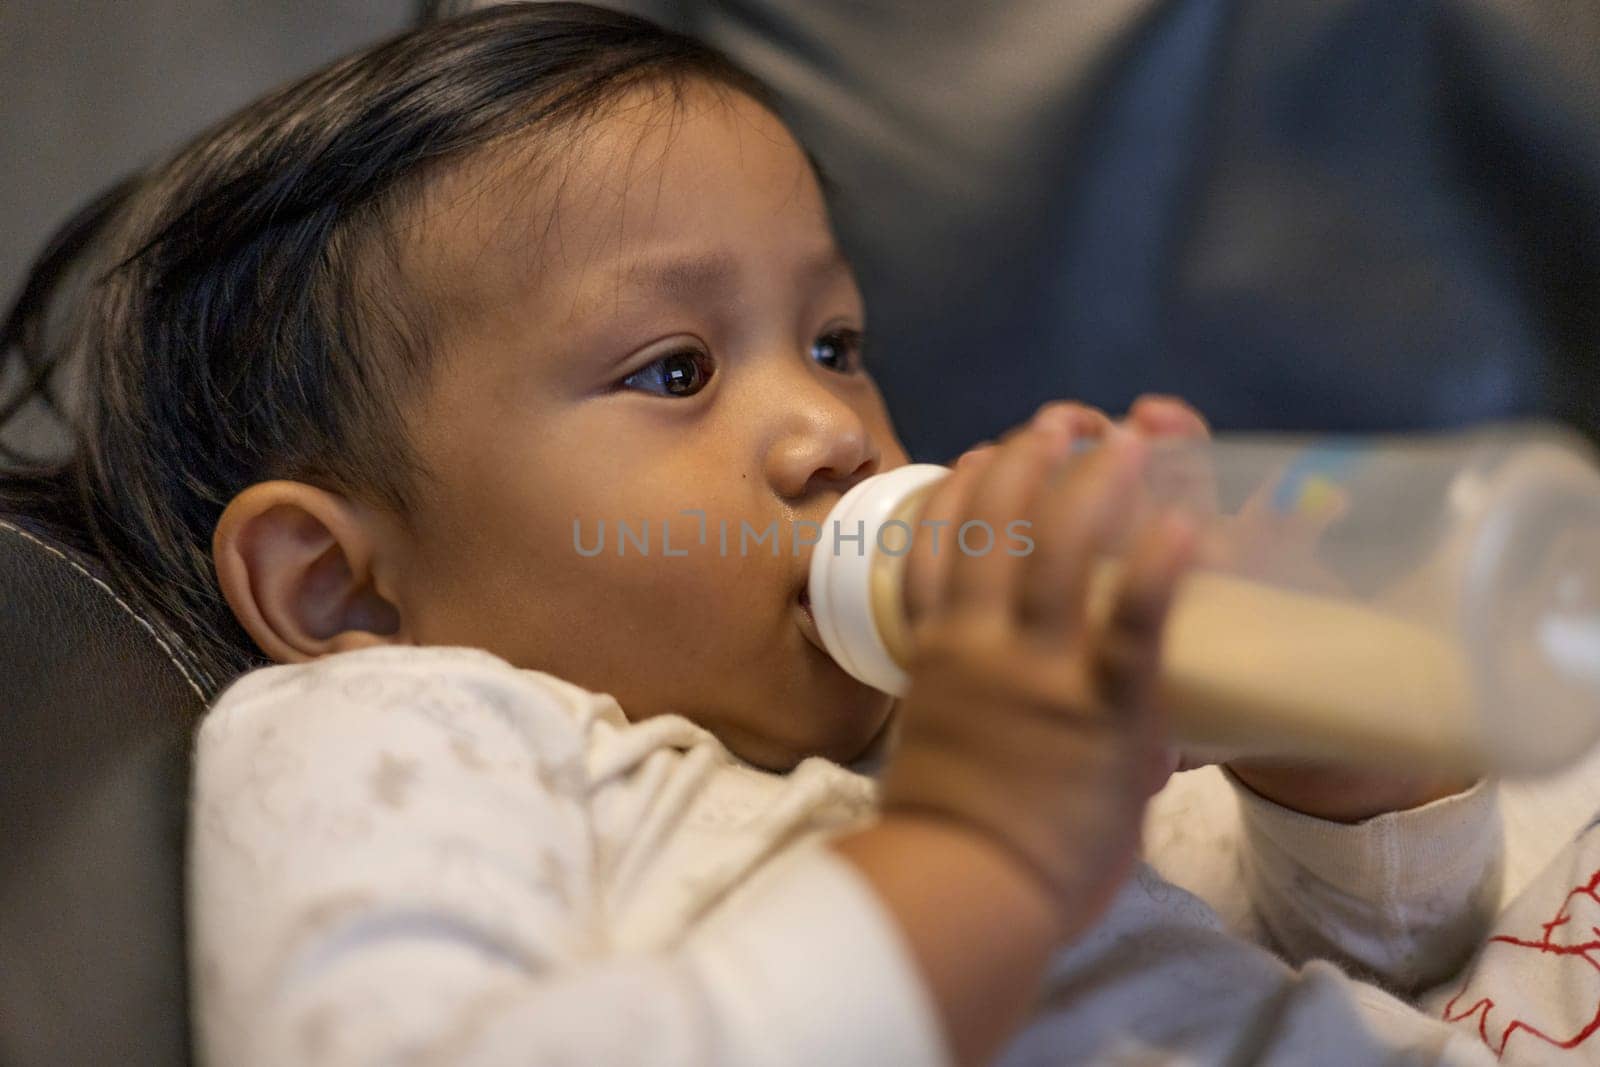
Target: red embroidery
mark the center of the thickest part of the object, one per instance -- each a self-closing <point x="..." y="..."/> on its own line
<point x="1585" y="954"/>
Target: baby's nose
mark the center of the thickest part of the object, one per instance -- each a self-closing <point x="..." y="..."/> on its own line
<point x="824" y="462"/>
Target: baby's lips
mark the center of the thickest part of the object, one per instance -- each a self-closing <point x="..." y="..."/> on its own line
<point x="802" y="580"/>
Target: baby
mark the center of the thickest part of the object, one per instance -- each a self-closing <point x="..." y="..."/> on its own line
<point x="376" y="349"/>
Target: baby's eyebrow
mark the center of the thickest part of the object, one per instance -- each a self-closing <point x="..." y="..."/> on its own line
<point x="684" y="277"/>
<point x="697" y="276"/>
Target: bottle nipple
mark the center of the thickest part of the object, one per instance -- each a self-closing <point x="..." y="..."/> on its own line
<point x="856" y="579"/>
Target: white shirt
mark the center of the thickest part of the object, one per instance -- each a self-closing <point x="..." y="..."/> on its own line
<point x="428" y="856"/>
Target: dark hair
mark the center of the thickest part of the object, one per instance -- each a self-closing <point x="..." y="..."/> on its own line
<point x="238" y="323"/>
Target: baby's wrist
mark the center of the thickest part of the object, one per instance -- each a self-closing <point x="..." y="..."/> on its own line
<point x="1344" y="794"/>
<point x="960" y="851"/>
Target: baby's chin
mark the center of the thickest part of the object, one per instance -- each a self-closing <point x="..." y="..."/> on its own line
<point x="847" y="730"/>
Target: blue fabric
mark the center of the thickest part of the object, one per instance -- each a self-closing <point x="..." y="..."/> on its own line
<point x="1306" y="215"/>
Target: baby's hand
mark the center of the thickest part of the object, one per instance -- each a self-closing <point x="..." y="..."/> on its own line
<point x="1261" y="542"/>
<point x="1027" y="720"/>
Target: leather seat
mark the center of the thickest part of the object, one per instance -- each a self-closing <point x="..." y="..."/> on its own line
<point x="96" y="716"/>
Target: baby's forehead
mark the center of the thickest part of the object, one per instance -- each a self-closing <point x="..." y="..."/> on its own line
<point x="542" y="212"/>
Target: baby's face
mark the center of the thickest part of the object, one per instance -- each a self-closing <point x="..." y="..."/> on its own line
<point x="661" y="322"/>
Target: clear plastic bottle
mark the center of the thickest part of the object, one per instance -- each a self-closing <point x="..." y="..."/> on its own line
<point x="1384" y="600"/>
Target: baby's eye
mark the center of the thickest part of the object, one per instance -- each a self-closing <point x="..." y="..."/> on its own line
<point x="682" y="373"/>
<point x="838" y="350"/>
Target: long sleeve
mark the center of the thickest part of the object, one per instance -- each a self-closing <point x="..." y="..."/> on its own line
<point x="400" y="866"/>
<point x="1402" y="897"/>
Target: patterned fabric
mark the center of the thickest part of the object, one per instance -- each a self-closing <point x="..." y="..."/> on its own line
<point x="1532" y="994"/>
<point x="405" y="855"/>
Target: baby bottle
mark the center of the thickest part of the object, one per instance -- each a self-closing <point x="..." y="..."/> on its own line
<point x="1382" y="600"/>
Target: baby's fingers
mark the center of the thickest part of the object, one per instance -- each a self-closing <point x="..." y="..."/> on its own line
<point x="928" y="561"/>
<point x="1181" y="472"/>
<point x="1155" y="415"/>
<point x="979" y="574"/>
<point x="1079" y="421"/>
<point x="1081" y="514"/>
<point x="1126" y="655"/>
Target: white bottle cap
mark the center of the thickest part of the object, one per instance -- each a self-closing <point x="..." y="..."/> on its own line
<point x="840" y="582"/>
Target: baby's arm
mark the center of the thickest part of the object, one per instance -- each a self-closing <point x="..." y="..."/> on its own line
<point x="397" y="864"/>
<point x="1403" y="897"/>
<point x="1396" y="875"/>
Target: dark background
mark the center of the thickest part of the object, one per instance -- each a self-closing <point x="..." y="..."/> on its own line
<point x="1362" y="215"/>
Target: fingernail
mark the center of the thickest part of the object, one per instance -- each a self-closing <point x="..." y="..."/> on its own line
<point x="1055" y="427"/>
<point x="1125" y="444"/>
<point x="972" y="453"/>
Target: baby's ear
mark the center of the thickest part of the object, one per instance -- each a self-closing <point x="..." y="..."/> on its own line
<point x="301" y="566"/>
